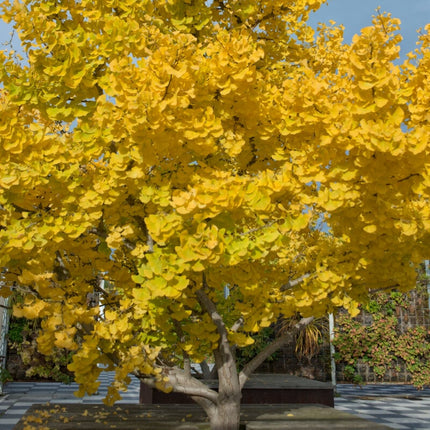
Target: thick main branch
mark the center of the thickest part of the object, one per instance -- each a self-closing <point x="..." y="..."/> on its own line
<point x="207" y="304"/>
<point x="228" y="378"/>
<point x="294" y="282"/>
<point x="270" y="349"/>
<point x="181" y="382"/>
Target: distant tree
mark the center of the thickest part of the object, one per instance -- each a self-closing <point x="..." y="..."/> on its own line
<point x="157" y="152"/>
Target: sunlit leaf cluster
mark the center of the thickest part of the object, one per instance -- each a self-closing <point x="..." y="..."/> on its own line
<point x="153" y="149"/>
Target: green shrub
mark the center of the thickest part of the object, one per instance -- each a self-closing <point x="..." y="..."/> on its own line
<point x="383" y="344"/>
<point x="22" y="337"/>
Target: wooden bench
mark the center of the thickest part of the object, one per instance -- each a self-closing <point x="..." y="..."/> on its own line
<point x="260" y="388"/>
<point x="185" y="417"/>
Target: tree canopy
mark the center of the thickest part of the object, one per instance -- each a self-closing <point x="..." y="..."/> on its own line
<point x="163" y="153"/>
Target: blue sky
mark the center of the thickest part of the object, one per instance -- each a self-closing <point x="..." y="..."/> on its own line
<point x="355" y="14"/>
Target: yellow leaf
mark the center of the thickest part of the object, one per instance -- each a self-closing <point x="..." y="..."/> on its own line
<point x="8" y="181"/>
<point x="366" y="85"/>
<point x="241" y="339"/>
<point x="370" y="228"/>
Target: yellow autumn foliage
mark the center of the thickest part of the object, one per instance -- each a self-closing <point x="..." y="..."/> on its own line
<point x="151" y="150"/>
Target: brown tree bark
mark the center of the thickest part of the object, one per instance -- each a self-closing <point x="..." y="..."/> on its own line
<point x="223" y="407"/>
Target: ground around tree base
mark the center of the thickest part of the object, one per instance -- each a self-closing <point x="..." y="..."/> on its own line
<point x="186" y="417"/>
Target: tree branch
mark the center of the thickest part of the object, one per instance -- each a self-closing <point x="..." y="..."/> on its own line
<point x="294" y="282"/>
<point x="408" y="177"/>
<point x="237" y="325"/>
<point x="270" y="15"/>
<point x="180" y="333"/>
<point x="180" y="382"/>
<point x="225" y="8"/>
<point x="216" y="318"/>
<point x="253" y="230"/>
<point x="228" y="379"/>
<point x="207" y="373"/>
<point x="60" y="269"/>
<point x="270" y="349"/>
<point x="149" y="241"/>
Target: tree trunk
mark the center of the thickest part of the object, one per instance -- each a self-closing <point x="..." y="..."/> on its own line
<point x="225" y="412"/>
<point x="226" y="416"/>
<point x="222" y="407"/>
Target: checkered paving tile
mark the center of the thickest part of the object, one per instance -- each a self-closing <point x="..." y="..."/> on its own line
<point x="381" y="390"/>
<point x="19" y="396"/>
<point x="396" y="406"/>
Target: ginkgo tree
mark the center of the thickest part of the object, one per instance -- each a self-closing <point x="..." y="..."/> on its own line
<point x="160" y="153"/>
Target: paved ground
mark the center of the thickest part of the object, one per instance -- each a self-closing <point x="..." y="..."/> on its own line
<point x="396" y="406"/>
<point x="19" y="396"/>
